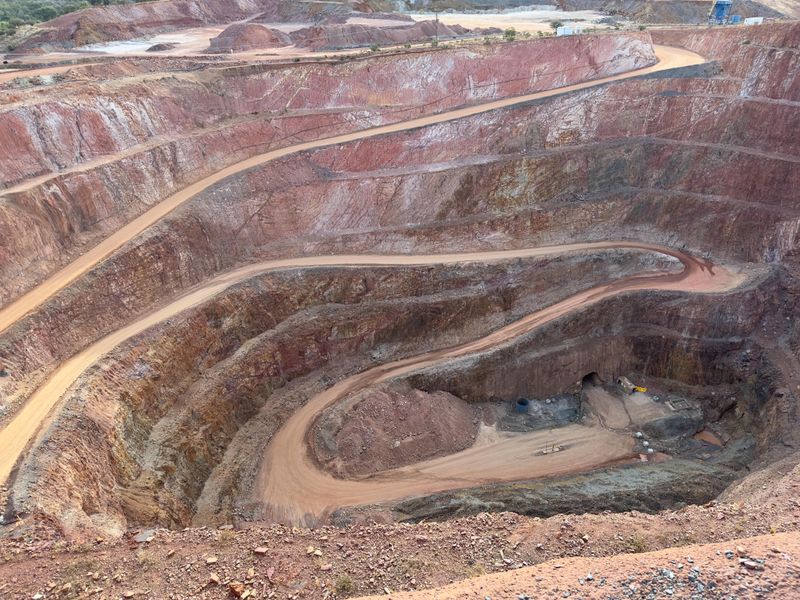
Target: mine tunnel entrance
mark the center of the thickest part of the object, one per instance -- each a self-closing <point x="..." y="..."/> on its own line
<point x="591" y="379"/>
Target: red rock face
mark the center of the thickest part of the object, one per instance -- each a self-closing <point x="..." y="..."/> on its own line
<point x="248" y="36"/>
<point x="773" y="48"/>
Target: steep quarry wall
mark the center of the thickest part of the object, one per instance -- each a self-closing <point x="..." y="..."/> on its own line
<point x="763" y="58"/>
<point x="76" y="168"/>
<point x="660" y="334"/>
<point x="134" y="112"/>
<point x="702" y="158"/>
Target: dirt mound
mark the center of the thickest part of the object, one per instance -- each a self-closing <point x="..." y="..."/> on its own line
<point x="382" y="429"/>
<point x="334" y="37"/>
<point x="240" y="37"/>
<point x="161" y="47"/>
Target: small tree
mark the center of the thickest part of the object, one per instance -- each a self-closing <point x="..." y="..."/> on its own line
<point x="510" y="34"/>
<point x="554" y="25"/>
<point x="374" y="47"/>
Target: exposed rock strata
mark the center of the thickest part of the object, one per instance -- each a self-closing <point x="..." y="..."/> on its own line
<point x="139" y="139"/>
<point x="645" y="488"/>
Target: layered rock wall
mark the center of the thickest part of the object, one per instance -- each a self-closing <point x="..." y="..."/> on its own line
<point x="75" y="170"/>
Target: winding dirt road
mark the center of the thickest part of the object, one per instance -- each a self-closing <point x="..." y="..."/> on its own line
<point x="668" y="58"/>
<point x="294" y="488"/>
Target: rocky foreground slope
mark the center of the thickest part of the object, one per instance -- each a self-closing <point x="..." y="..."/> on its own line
<point x="698" y="551"/>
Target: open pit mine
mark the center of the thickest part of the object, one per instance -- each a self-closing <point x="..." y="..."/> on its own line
<point x="280" y="323"/>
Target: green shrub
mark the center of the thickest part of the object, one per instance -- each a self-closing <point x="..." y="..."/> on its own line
<point x="637" y="543"/>
<point x="344" y="586"/>
<point x="15" y="13"/>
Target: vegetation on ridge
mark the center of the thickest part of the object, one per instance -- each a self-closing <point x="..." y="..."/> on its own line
<point x="15" y="13"/>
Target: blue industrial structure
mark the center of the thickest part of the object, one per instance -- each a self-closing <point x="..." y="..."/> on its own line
<point x="736" y="19"/>
<point x="720" y="11"/>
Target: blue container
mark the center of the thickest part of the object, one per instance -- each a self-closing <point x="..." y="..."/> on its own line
<point x="736" y="19"/>
<point x="720" y="11"/>
<point x="522" y="405"/>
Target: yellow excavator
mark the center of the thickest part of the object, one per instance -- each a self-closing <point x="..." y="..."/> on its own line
<point x="629" y="387"/>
